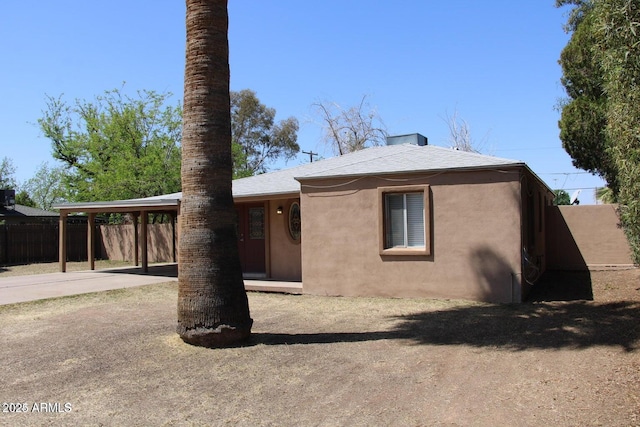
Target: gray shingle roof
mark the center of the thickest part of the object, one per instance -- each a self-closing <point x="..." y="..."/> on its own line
<point x="20" y="211"/>
<point x="383" y="160"/>
<point x="405" y="158"/>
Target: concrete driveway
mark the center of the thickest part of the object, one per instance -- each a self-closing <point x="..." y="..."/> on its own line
<point x="17" y="289"/>
<point x="40" y="286"/>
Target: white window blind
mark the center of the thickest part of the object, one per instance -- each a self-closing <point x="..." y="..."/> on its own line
<point x="415" y="219"/>
<point x="404" y="220"/>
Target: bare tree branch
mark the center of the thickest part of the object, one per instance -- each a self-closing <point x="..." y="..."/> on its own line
<point x="352" y="129"/>
<point x="460" y="134"/>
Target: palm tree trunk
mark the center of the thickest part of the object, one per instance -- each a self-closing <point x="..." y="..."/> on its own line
<point x="213" y="310"/>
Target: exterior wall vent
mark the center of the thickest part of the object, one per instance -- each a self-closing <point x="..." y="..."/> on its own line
<point x="412" y="138"/>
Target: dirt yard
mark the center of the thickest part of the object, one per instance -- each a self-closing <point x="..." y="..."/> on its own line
<point x="113" y="358"/>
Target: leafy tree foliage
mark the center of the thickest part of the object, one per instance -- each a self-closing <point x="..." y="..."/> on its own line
<point x="583" y="121"/>
<point x="257" y="138"/>
<point x="605" y="195"/>
<point x="601" y="64"/>
<point x="45" y="188"/>
<point x="352" y="129"/>
<point x="7" y="174"/>
<point x="562" y="198"/>
<point x="23" y="198"/>
<point x="618" y="31"/>
<point x="577" y="13"/>
<point x="115" y="146"/>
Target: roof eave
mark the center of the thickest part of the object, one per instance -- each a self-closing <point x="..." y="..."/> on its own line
<point x="271" y="195"/>
<point x="119" y="205"/>
<point x="414" y="172"/>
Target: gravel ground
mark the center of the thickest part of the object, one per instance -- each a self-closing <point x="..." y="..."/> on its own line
<point x="113" y="358"/>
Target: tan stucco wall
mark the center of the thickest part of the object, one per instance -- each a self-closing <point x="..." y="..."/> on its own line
<point x="284" y="254"/>
<point x="586" y="237"/>
<point x="476" y="239"/>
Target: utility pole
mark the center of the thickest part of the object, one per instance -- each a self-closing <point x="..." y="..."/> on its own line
<point x="311" y="154"/>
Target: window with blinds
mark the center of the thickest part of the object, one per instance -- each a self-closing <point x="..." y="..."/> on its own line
<point x="404" y="220"/>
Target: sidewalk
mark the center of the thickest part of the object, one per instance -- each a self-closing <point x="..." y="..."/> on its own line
<point x="16" y="289"/>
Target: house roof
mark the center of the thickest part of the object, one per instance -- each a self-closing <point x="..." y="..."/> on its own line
<point x="404" y="158"/>
<point x="383" y="160"/>
<point x="21" y="211"/>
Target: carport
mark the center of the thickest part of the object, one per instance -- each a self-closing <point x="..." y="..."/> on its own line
<point x="139" y="209"/>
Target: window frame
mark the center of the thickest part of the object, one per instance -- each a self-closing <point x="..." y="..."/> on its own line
<point x="382" y="223"/>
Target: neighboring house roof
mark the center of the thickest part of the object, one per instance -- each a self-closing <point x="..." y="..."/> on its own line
<point x="20" y="211"/>
<point x="382" y="160"/>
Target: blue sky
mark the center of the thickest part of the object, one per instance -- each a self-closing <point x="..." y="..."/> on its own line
<point x="417" y="61"/>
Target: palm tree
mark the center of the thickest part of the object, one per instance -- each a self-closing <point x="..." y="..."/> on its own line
<point x="213" y="310"/>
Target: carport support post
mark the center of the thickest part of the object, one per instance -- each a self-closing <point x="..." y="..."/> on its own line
<point x="135" y="239"/>
<point x="91" y="240"/>
<point x="173" y="237"/>
<point x="62" y="243"/>
<point x="143" y="225"/>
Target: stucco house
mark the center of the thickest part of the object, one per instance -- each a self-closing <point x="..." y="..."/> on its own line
<point x="403" y="220"/>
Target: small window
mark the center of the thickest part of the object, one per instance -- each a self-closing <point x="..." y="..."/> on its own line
<point x="405" y="221"/>
<point x="256" y="223"/>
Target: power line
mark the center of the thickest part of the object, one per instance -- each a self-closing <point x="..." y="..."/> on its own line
<point x="564" y="173"/>
<point x="527" y="149"/>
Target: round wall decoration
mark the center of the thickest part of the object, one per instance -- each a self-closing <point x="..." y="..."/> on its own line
<point x="294" y="221"/>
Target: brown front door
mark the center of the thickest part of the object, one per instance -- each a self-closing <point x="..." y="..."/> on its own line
<point x="251" y="237"/>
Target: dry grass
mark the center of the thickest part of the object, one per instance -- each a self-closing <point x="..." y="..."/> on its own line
<point x="114" y="357"/>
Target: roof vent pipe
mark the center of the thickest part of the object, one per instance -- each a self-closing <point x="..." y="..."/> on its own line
<point x="412" y="138"/>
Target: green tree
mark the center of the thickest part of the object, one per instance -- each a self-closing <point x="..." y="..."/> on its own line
<point x="213" y="309"/>
<point x="257" y="139"/>
<point x="618" y="47"/>
<point x="583" y="119"/>
<point x="577" y="13"/>
<point x="605" y="76"/>
<point x="605" y="195"/>
<point x="116" y="146"/>
<point x="23" y="198"/>
<point x="45" y="188"/>
<point x="7" y="174"/>
<point x="562" y="198"/>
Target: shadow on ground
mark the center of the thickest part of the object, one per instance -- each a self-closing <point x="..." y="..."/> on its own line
<point x="556" y="285"/>
<point x="161" y="270"/>
<point x="577" y="324"/>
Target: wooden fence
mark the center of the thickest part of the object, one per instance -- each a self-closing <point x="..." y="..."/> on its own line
<point x="29" y="243"/>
